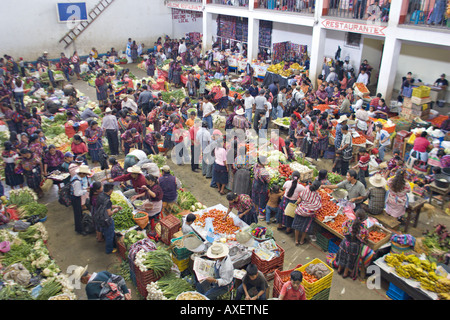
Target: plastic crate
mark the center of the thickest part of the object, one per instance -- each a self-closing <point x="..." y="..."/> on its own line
<point x="182" y="253"/>
<point x="181" y="264"/>
<point x="333" y="245"/>
<point x="169" y="226"/>
<point x="396" y="294"/>
<point x="312" y="289"/>
<point x="267" y="267"/>
<point x="278" y="281"/>
<point x="323" y="239"/>
<point x="421" y="92"/>
<point x="322" y="295"/>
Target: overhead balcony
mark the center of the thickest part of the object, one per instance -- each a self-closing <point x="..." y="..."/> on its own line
<point x="429" y="14"/>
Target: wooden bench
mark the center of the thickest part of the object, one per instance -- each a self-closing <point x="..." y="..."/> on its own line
<point x="387" y="220"/>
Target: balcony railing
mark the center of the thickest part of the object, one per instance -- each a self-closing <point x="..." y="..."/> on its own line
<point x="431" y="13"/>
<point x="234" y="3"/>
<point x="371" y="10"/>
<point x="300" y="6"/>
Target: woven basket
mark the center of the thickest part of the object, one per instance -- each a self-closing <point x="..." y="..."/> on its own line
<point x="142" y="222"/>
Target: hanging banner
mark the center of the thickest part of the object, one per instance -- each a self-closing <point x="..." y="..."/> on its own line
<point x="354" y="27"/>
<point x="185" y="16"/>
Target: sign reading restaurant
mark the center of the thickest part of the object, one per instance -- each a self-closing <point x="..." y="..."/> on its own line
<point x="185" y="6"/>
<point x="354" y="27"/>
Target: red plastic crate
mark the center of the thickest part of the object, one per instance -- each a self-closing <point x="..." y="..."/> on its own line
<point x="276" y="292"/>
<point x="122" y="250"/>
<point x="169" y="226"/>
<point x="279" y="275"/>
<point x="267" y="266"/>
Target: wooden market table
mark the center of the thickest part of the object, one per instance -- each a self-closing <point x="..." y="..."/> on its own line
<point x="443" y="193"/>
<point x="413" y="213"/>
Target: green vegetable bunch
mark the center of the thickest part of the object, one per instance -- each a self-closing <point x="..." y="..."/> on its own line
<point x="34" y="208"/>
<point x="172" y="286"/>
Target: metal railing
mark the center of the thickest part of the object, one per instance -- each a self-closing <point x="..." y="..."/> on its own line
<point x="430" y="13"/>
<point x="300" y="6"/>
<point x="371" y="10"/>
<point x="234" y="3"/>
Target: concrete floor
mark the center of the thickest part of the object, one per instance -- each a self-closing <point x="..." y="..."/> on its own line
<point x="68" y="248"/>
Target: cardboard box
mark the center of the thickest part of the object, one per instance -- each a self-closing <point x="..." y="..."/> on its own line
<point x="417" y="100"/>
<point x="407" y="103"/>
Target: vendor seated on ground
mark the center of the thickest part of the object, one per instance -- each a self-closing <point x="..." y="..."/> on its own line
<point x="221" y="283"/>
<point x="254" y="285"/>
<point x="293" y="289"/>
<point x="444" y="159"/>
<point x="137" y="178"/>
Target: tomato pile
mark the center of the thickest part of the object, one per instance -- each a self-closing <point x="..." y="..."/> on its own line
<point x="375" y="236"/>
<point x="328" y="208"/>
<point x="309" y="277"/>
<point x="220" y="226"/>
<point x="322" y="107"/>
<point x="285" y="170"/>
<point x="336" y="224"/>
<point x="359" y="140"/>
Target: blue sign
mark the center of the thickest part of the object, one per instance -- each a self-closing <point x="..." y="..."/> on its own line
<point x="72" y="11"/>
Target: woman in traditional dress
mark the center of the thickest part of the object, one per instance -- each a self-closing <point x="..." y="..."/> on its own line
<point x="10" y="160"/>
<point x="260" y="187"/>
<point x="94" y="135"/>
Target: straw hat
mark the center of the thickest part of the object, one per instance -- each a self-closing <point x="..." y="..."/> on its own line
<point x="84" y="169"/>
<point x="134" y="169"/>
<point x="240" y="111"/>
<point x="165" y="168"/>
<point x="245" y="238"/>
<point x="342" y="119"/>
<point x="79" y="272"/>
<point x="151" y="168"/>
<point x="377" y="180"/>
<point x="108" y="110"/>
<point x="123" y="96"/>
<point x="217" y="250"/>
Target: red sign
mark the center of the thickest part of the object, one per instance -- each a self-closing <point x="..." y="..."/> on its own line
<point x="354" y="27"/>
<point x="185" y="6"/>
<point x="185" y="16"/>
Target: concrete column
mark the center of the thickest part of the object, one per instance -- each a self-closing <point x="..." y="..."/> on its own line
<point x="207" y="31"/>
<point x="317" y="53"/>
<point x="388" y="67"/>
<point x="253" y="39"/>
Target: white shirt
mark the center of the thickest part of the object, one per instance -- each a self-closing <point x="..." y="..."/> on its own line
<point x="207" y="108"/>
<point x="358" y="105"/>
<point x="364" y="78"/>
<point x="182" y="48"/>
<point x="269" y="108"/>
<point x="332" y="76"/>
<point x="381" y="135"/>
<point x="249" y="102"/>
<point x="186" y="228"/>
<point x="130" y="104"/>
<point x="139" y="154"/>
<point x="226" y="271"/>
<point x="78" y="189"/>
<point x="16" y="88"/>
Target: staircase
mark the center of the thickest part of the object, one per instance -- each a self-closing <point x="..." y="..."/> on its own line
<point x="75" y="32"/>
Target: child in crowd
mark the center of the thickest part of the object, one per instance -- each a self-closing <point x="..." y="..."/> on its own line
<point x="275" y="195"/>
<point x="363" y="165"/>
<point x="293" y="289"/>
<point x="290" y="152"/>
<point x="187" y="224"/>
<point x="191" y="120"/>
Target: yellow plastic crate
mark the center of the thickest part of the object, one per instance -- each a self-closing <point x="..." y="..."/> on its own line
<point x="421" y="92"/>
<point x="181" y="264"/>
<point x="311" y="289"/>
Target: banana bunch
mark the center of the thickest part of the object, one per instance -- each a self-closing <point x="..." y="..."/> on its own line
<point x="443" y="285"/>
<point x="394" y="259"/>
<point x="444" y="296"/>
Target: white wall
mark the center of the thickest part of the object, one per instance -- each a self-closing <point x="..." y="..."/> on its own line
<point x="31" y="27"/>
<point x="372" y="51"/>
<point x="282" y="32"/>
<point x="179" y="29"/>
<point x="425" y="62"/>
<point x="337" y="38"/>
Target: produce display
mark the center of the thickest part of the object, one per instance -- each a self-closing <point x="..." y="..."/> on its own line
<point x="22" y="196"/>
<point x="123" y="219"/>
<point x="192" y="295"/>
<point x="187" y="201"/>
<point x="355" y="140"/>
<point x="362" y="88"/>
<point x="132" y="237"/>
<point x="280" y="69"/>
<point x="334" y="178"/>
<point x="376" y="236"/>
<point x="220" y="226"/>
<point x="171" y="286"/>
<point x="33" y="209"/>
<point x="158" y="260"/>
<point x="329" y="207"/>
<point x="285" y="170"/>
<point x="423" y="271"/>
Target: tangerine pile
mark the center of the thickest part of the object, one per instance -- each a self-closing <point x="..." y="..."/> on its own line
<point x="329" y="208"/>
<point x="336" y="224"/>
<point x="220" y="226"/>
<point x="309" y="277"/>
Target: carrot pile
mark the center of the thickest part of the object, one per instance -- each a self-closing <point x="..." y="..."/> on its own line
<point x="220" y="226"/>
<point x="359" y="140"/>
<point x="376" y="236"/>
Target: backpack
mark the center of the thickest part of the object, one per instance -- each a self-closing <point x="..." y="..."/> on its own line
<point x="111" y="288"/>
<point x="65" y="194"/>
<point x="87" y="222"/>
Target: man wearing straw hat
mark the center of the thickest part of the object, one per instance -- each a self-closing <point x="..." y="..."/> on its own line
<point x="77" y="193"/>
<point x="376" y="195"/>
<point x="137" y="178"/>
<point x="213" y="287"/>
<point x="95" y="283"/>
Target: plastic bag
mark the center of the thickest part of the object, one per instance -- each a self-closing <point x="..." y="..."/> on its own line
<point x="210" y="236"/>
<point x="18" y="273"/>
